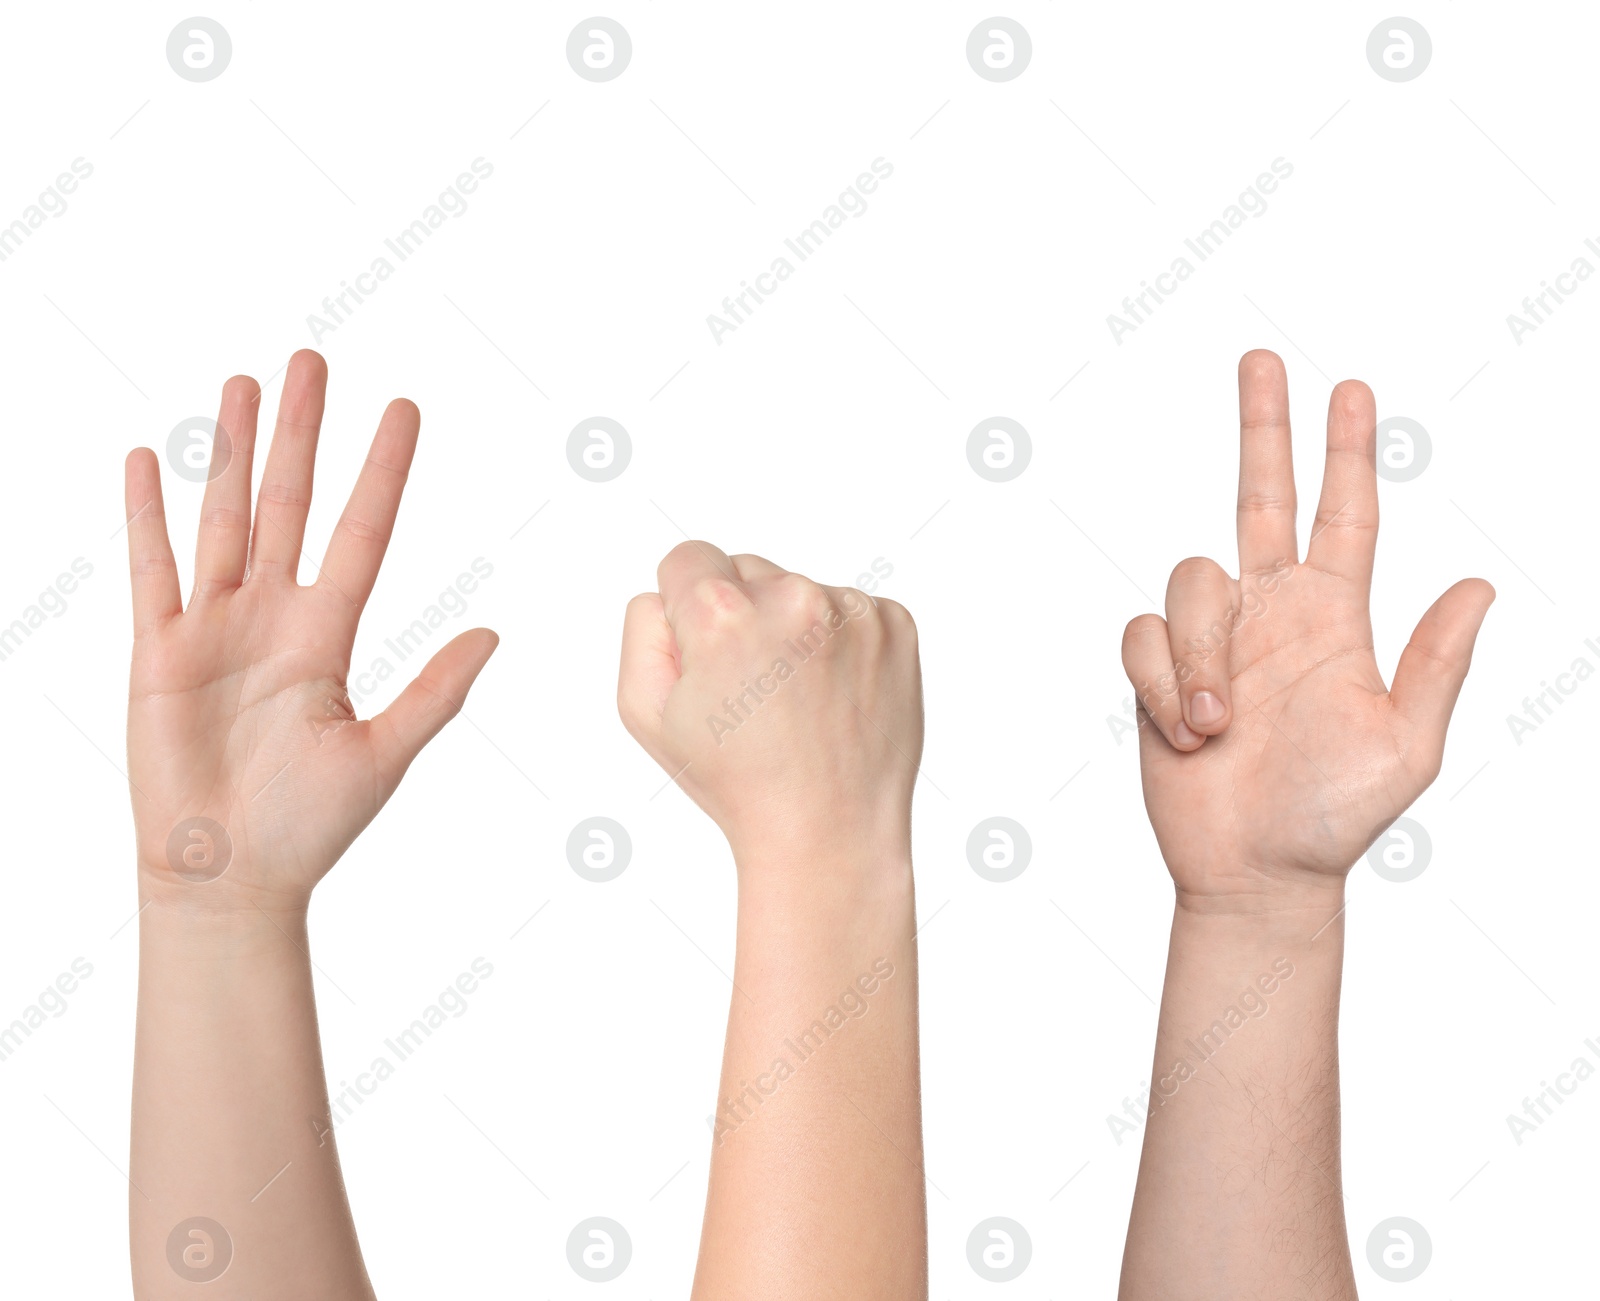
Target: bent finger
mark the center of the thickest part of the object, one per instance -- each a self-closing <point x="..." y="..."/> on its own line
<point x="1200" y="616"/>
<point x="1147" y="659"/>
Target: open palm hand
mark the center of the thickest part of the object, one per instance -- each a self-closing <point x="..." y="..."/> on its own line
<point x="250" y="772"/>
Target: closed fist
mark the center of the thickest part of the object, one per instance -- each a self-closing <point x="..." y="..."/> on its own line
<point x="789" y="711"/>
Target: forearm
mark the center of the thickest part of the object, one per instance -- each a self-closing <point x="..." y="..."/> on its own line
<point x="817" y="1186"/>
<point x="1239" y="1190"/>
<point x="230" y="1113"/>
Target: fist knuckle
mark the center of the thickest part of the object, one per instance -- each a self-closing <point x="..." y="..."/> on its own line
<point x="853" y="603"/>
<point x="717" y="599"/>
<point x="804" y="597"/>
<point x="898" y="617"/>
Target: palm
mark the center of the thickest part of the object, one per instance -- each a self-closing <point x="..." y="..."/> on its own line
<point x="247" y="765"/>
<point x="1313" y="762"/>
<point x="237" y="713"/>
<point x="1313" y="755"/>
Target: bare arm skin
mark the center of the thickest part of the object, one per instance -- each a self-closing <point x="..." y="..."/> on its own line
<point x="792" y="713"/>
<point x="1272" y="756"/>
<point x="1239" y="1189"/>
<point x="250" y="776"/>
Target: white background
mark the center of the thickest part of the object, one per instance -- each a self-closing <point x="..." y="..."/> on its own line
<point x="219" y="215"/>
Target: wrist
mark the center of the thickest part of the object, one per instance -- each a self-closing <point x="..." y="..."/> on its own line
<point x="218" y="906"/>
<point x="813" y="926"/>
<point x="1297" y="919"/>
<point x="856" y="865"/>
<point x="808" y="833"/>
<point x="859" y="887"/>
<point x="224" y="956"/>
<point x="1269" y="901"/>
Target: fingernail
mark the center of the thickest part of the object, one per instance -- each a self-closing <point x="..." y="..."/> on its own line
<point x="1205" y="709"/>
<point x="1185" y="735"/>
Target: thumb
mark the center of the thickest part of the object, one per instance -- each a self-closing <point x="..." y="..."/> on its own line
<point x="650" y="666"/>
<point x="1434" y="663"/>
<point x="432" y="699"/>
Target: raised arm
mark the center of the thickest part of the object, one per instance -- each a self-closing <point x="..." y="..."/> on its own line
<point x="792" y="714"/>
<point x="250" y="776"/>
<point x="1272" y="756"/>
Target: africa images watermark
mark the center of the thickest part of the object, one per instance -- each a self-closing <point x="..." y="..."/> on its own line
<point x="1251" y="1005"/>
<point x="451" y="1004"/>
<point x="1138" y="308"/>
<point x="1541" y="1107"/>
<point x="738" y="308"/>
<point x="452" y="202"/>
<point x="451" y="603"/>
<point x="1537" y="309"/>
<point x="1540" y="709"/>
<point x="851" y="1005"/>
<point x="51" y="1004"/>
<point x="52" y="202"/>
<point x="50" y="604"/>
<point x="740" y="709"/>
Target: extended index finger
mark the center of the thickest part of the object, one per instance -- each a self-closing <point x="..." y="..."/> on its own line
<point x="1266" y="464"/>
